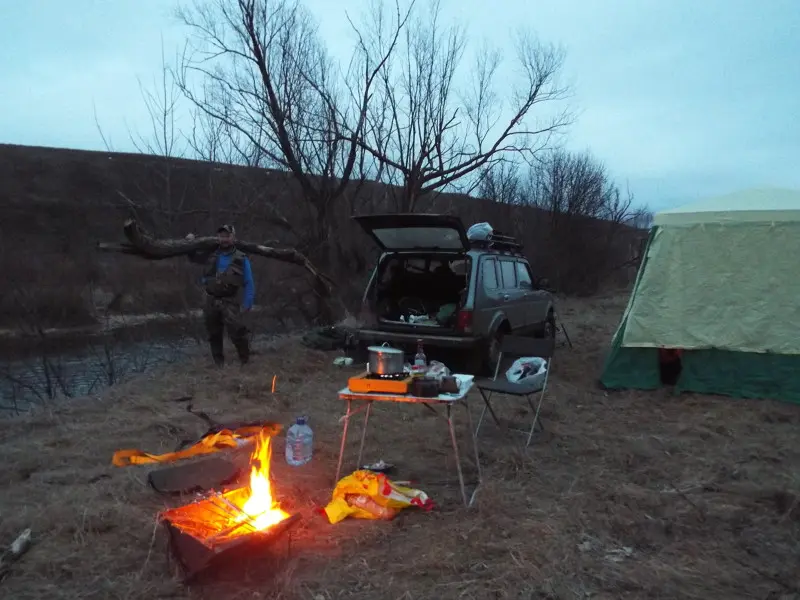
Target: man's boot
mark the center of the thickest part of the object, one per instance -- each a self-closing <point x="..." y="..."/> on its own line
<point x="243" y="350"/>
<point x="216" y="351"/>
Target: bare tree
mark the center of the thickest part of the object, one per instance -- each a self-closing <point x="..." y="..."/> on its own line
<point x="585" y="226"/>
<point x="428" y="132"/>
<point x="266" y="76"/>
<point x="502" y="183"/>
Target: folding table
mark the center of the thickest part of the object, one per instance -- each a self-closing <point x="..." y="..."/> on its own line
<point x="446" y="401"/>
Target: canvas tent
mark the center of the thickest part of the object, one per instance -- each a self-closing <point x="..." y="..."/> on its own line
<point x="720" y="280"/>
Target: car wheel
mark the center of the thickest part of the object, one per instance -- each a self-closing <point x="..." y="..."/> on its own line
<point x="493" y="351"/>
<point x="549" y="328"/>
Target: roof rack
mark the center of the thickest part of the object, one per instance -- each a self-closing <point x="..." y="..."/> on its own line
<point x="498" y="241"/>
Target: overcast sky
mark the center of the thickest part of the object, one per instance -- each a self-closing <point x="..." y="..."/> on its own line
<point x="682" y="99"/>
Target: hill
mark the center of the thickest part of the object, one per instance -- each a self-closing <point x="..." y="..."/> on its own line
<point x="57" y="204"/>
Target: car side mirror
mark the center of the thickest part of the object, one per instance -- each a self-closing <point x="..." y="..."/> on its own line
<point x="543" y="283"/>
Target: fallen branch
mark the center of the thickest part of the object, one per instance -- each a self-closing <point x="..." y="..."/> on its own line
<point x="14" y="552"/>
<point x="146" y="246"/>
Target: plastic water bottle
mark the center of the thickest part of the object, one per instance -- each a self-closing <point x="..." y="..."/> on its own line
<point x="299" y="443"/>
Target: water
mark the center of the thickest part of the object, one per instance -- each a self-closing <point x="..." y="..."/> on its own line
<point x="299" y="443"/>
<point x="49" y="374"/>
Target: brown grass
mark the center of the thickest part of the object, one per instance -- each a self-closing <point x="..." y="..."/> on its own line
<point x="630" y="495"/>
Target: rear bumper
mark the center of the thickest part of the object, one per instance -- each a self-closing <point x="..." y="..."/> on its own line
<point x="410" y="339"/>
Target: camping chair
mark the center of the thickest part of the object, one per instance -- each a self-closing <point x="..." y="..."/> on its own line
<point x="517" y="346"/>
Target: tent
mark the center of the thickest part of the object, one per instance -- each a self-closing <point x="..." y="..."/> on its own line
<point x="720" y="280"/>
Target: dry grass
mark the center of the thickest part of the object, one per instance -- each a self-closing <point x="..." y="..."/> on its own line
<point x="629" y="495"/>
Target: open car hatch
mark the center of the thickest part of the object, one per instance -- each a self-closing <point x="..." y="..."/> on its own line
<point x="412" y="231"/>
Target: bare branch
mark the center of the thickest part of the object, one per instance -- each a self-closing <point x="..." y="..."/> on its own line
<point x="144" y="245"/>
<point x="427" y="133"/>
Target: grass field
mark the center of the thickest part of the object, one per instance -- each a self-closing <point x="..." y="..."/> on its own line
<point x="627" y="495"/>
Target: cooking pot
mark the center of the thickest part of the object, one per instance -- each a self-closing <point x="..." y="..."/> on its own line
<point x="385" y="360"/>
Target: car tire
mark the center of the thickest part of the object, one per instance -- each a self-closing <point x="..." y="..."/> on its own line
<point x="549" y="327"/>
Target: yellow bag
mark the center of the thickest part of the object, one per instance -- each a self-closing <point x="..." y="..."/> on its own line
<point x="210" y="443"/>
<point x="378" y="488"/>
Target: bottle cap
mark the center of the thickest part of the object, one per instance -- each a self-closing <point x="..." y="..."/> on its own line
<point x="301" y="420"/>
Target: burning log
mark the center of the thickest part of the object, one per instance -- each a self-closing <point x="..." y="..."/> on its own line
<point x="219" y="526"/>
<point x="142" y="244"/>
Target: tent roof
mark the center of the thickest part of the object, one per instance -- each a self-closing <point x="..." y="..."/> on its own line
<point x="754" y="205"/>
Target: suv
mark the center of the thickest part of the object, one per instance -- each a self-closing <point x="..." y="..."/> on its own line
<point x="435" y="285"/>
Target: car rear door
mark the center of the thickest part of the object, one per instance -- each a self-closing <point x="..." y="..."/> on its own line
<point x="488" y="295"/>
<point x="529" y="297"/>
<point x="537" y="301"/>
<point x="513" y="300"/>
<point x="415" y="232"/>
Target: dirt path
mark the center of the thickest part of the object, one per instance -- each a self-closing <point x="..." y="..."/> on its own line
<point x="630" y="495"/>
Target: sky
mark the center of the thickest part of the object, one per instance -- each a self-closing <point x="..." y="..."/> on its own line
<point x="680" y="99"/>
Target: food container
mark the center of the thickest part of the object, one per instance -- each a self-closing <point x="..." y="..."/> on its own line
<point x="385" y="360"/>
<point x="425" y="387"/>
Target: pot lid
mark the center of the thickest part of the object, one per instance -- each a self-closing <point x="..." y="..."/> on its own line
<point x="385" y="350"/>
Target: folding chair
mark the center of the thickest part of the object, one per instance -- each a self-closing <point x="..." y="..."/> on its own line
<point x="517" y="346"/>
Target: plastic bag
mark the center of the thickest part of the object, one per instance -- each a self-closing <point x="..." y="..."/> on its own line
<point x="438" y="370"/>
<point x="368" y="495"/>
<point x="529" y="370"/>
<point x="479" y="231"/>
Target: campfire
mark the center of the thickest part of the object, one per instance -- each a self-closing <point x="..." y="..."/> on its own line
<point x="222" y="521"/>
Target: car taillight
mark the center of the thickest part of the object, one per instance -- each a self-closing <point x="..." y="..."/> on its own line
<point x="464" y="322"/>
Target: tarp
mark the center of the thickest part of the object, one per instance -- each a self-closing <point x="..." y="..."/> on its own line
<point x="729" y="287"/>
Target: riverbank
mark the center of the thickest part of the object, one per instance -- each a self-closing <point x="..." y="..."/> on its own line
<point x="625" y="495"/>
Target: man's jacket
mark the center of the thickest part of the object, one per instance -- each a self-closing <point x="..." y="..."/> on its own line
<point x="227" y="273"/>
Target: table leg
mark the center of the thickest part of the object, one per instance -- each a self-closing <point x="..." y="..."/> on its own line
<point x="475" y="449"/>
<point x="458" y="455"/>
<point x="363" y="434"/>
<point x="344" y="440"/>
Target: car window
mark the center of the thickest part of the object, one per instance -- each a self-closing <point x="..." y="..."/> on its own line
<point x="524" y="275"/>
<point x="509" y="274"/>
<point x="489" y="275"/>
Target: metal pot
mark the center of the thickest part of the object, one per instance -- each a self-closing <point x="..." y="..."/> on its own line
<point x="385" y="360"/>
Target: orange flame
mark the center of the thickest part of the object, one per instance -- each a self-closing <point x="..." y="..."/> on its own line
<point x="261" y="507"/>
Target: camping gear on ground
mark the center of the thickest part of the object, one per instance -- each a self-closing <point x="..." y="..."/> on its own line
<point x="382" y="384"/>
<point x="368" y="495"/>
<point x="299" y="443"/>
<point x="514" y="345"/>
<point x="718" y="280"/>
<point x="361" y="402"/>
<point x="385" y="360"/>
<point x="379" y="467"/>
<point x="203" y="475"/>
<point x="479" y="231"/>
<point x="209" y="443"/>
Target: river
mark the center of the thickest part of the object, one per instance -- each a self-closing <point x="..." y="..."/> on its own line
<point x="71" y="368"/>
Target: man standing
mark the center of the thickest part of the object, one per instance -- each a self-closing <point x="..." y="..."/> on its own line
<point x="230" y="291"/>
